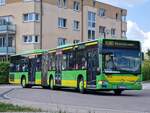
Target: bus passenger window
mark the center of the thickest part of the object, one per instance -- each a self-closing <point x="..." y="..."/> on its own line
<point x="64" y="62"/>
<point x="84" y="63"/>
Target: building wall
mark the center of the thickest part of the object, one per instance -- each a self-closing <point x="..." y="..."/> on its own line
<point x="51" y="13"/>
<point x="51" y="31"/>
<point x="17" y="9"/>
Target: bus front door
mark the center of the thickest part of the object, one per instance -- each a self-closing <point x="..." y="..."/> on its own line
<point x="32" y="70"/>
<point x="58" y="72"/>
<point x="92" y="62"/>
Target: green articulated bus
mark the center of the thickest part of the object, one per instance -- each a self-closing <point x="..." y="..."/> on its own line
<point x="102" y="64"/>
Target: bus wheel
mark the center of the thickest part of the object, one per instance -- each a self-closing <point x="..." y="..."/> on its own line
<point x="51" y="83"/>
<point x="23" y="82"/>
<point x="81" y="86"/>
<point x="117" y="92"/>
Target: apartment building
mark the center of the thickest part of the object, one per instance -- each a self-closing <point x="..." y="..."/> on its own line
<point x="34" y="24"/>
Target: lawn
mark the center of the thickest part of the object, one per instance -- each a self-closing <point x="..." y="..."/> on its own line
<point x="14" y="108"/>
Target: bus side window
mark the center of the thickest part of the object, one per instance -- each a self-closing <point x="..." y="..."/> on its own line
<point x="39" y="63"/>
<point x="81" y="61"/>
<point x="64" y="62"/>
<point x="51" y="61"/>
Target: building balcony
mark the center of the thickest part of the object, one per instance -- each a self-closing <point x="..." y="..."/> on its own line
<point x="3" y="50"/>
<point x="11" y="29"/>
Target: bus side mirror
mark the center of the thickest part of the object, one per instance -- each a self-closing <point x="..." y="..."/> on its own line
<point x="142" y="56"/>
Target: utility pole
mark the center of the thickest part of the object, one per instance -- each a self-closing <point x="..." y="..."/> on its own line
<point x="41" y="23"/>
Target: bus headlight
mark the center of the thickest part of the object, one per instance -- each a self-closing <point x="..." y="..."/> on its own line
<point x="104" y="84"/>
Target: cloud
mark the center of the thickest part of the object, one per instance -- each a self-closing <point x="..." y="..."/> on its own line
<point x="136" y="33"/>
<point x="129" y="3"/>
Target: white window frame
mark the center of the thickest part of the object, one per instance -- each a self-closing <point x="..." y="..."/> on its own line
<point x="62" y="22"/>
<point x="62" y="3"/>
<point x="61" y="41"/>
<point x="30" y="39"/>
<point x="76" y="25"/>
<point x="2" y="2"/>
<point x="31" y="0"/>
<point x="31" y="17"/>
<point x="76" y="6"/>
<point x="91" y="25"/>
<point x="113" y="32"/>
<point x="102" y="12"/>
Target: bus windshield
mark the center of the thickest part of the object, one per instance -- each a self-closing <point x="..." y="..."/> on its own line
<point x="122" y="61"/>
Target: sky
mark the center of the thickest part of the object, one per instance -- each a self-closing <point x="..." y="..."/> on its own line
<point x="138" y="19"/>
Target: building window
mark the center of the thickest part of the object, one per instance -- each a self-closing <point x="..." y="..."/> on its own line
<point x="91" y="34"/>
<point x="31" y="39"/>
<point x="113" y="32"/>
<point x="2" y="2"/>
<point x="123" y="34"/>
<point x="117" y="16"/>
<point x="30" y="17"/>
<point x="76" y="6"/>
<point x="102" y="12"/>
<point x="91" y="25"/>
<point x="91" y="20"/>
<point x="31" y="0"/>
<point x="61" y="41"/>
<point x="6" y="20"/>
<point x="2" y="42"/>
<point x="123" y="18"/>
<point x="76" y="25"/>
<point x="76" y="41"/>
<point x="62" y="3"/>
<point x="102" y="29"/>
<point x="62" y="22"/>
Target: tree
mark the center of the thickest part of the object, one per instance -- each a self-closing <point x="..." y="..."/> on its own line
<point x="148" y="53"/>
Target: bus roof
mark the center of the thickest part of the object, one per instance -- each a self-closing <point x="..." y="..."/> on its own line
<point x="31" y="52"/>
<point x="100" y="40"/>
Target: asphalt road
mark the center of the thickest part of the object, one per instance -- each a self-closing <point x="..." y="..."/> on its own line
<point x="71" y="101"/>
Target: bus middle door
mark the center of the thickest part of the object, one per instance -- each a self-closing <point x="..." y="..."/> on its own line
<point x="58" y="72"/>
<point x="32" y="70"/>
<point x="92" y="57"/>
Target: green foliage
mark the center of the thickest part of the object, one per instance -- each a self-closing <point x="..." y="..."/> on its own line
<point x="12" y="108"/>
<point x="148" y="53"/>
<point x="4" y="72"/>
<point x="146" y="70"/>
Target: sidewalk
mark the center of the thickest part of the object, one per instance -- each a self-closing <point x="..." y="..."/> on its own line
<point x="146" y="85"/>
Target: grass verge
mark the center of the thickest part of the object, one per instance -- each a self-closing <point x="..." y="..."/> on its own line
<point x="14" y="108"/>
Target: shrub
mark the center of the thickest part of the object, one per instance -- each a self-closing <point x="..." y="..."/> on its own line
<point x="4" y="72"/>
<point x="146" y="70"/>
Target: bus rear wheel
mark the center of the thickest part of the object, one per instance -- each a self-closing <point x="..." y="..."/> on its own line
<point x="81" y="86"/>
<point x="117" y="92"/>
<point x="23" y="82"/>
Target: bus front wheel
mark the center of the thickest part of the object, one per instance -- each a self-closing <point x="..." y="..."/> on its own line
<point x="117" y="92"/>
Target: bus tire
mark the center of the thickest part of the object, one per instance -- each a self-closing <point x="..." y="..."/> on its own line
<point x="51" y="83"/>
<point x="117" y="92"/>
<point x="81" y="85"/>
<point x="23" y="82"/>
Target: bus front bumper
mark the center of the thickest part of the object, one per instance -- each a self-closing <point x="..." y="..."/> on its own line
<point x="122" y="86"/>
